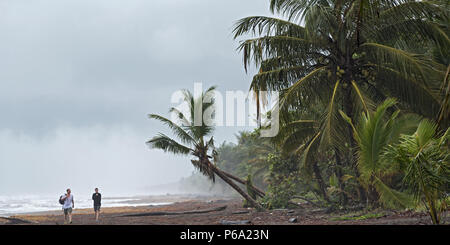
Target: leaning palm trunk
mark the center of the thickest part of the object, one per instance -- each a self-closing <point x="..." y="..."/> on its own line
<point x="225" y="178"/>
<point x="258" y="191"/>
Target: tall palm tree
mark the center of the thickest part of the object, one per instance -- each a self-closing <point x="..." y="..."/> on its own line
<point x="348" y="55"/>
<point x="193" y="141"/>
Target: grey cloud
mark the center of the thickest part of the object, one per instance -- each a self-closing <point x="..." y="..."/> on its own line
<point x="75" y="67"/>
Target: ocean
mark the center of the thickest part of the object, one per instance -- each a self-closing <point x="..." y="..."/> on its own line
<point x="12" y="205"/>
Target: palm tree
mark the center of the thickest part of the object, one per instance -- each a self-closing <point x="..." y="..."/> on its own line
<point x="348" y="55"/>
<point x="425" y="158"/>
<point x="193" y="141"/>
<point x="373" y="133"/>
<point x="300" y="137"/>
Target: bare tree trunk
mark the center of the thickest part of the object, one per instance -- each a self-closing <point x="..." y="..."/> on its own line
<point x="320" y="181"/>
<point x="442" y="119"/>
<point x="225" y="178"/>
<point x="338" y="172"/>
<point x="353" y="146"/>
<point x="258" y="109"/>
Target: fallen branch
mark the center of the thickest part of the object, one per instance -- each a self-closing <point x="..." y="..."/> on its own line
<point x="309" y="201"/>
<point x="174" y="213"/>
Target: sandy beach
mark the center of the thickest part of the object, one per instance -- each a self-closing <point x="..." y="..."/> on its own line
<point x="197" y="210"/>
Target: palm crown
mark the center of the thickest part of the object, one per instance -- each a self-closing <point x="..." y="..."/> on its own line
<point x="192" y="138"/>
<point x="347" y="55"/>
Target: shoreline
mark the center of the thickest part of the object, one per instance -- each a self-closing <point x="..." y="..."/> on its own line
<point x="128" y="202"/>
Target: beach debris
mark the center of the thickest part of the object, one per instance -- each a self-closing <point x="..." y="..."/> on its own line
<point x="298" y="205"/>
<point x="235" y="222"/>
<point x="293" y="220"/>
<point x="319" y="210"/>
<point x="221" y="208"/>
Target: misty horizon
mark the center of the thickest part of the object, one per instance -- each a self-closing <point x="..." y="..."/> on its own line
<point x="78" y="79"/>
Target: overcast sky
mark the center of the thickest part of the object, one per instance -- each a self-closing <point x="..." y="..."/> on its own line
<point x="78" y="78"/>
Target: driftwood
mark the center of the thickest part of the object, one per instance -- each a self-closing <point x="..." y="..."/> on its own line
<point x="237" y="222"/>
<point x="17" y="221"/>
<point x="241" y="212"/>
<point x="175" y="213"/>
<point x="281" y="209"/>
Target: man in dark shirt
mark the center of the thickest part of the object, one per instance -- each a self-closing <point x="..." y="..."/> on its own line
<point x="97" y="197"/>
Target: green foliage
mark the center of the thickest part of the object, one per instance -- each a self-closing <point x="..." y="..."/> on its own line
<point x="247" y="157"/>
<point x="283" y="181"/>
<point x="327" y="57"/>
<point x="250" y="191"/>
<point x="281" y="192"/>
<point x="373" y="133"/>
<point x="424" y="156"/>
<point x="347" y="55"/>
<point x="360" y="217"/>
<point x="335" y="64"/>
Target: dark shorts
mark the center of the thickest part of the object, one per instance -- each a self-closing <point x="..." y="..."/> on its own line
<point x="67" y="211"/>
<point x="96" y="208"/>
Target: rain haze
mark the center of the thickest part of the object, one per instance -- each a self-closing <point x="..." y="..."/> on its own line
<point x="78" y="78"/>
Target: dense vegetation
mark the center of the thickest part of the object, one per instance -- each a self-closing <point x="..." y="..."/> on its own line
<point x="365" y="99"/>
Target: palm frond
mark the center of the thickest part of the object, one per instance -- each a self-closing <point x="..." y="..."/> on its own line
<point x="333" y="124"/>
<point x="258" y="49"/>
<point x="392" y="198"/>
<point x="266" y="26"/>
<point x="204" y="168"/>
<point x="167" y="144"/>
<point x="408" y="64"/>
<point x="303" y="84"/>
<point x="307" y="155"/>
<point x="177" y="130"/>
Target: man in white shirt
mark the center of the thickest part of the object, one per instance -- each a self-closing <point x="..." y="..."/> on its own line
<point x="68" y="205"/>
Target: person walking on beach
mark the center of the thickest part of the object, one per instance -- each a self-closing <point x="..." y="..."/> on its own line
<point x="97" y="197"/>
<point x="69" y="203"/>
